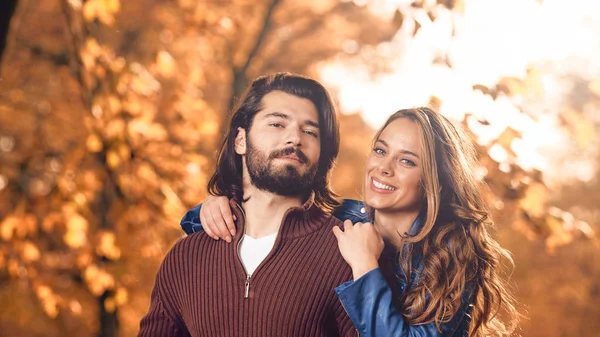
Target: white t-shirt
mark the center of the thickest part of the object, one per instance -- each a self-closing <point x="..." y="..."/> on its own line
<point x="253" y="251"/>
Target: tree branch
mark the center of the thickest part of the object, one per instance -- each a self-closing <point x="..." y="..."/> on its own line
<point x="239" y="74"/>
<point x="61" y="59"/>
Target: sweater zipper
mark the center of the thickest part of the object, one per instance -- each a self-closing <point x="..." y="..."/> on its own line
<point x="248" y="276"/>
<point x="247" y="284"/>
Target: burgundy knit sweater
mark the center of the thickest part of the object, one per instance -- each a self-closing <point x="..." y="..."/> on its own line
<point x="202" y="289"/>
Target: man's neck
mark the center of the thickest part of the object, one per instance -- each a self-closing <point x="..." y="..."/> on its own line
<point x="264" y="211"/>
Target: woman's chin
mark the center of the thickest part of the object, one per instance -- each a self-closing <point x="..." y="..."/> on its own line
<point x="377" y="204"/>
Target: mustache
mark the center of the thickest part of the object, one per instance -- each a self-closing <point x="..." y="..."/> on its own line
<point x="288" y="151"/>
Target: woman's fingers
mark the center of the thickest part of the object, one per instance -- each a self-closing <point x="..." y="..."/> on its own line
<point x="219" y="227"/>
<point x="206" y="226"/>
<point x="337" y="232"/>
<point x="228" y="217"/>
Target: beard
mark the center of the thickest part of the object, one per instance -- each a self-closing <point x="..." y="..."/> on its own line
<point x="283" y="180"/>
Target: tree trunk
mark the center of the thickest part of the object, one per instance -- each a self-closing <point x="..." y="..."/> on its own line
<point x="109" y="321"/>
<point x="7" y="10"/>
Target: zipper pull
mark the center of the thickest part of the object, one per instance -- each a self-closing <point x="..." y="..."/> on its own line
<point x="247" y="284"/>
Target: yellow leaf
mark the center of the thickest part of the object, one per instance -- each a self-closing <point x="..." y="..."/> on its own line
<point x="103" y="10"/>
<point x="165" y="64"/>
<point x="88" y="60"/>
<point x="115" y="129"/>
<point x="209" y="128"/>
<point x="76" y="235"/>
<point x="110" y="305"/>
<point x="121" y="296"/>
<point x="13" y="268"/>
<point x="124" y="152"/>
<point x="506" y="138"/>
<point x="8" y="226"/>
<point x="114" y="104"/>
<point x="186" y="4"/>
<point x="107" y="247"/>
<point x="30" y="252"/>
<point x="113" y="159"/>
<point x="535" y="200"/>
<point x="512" y="85"/>
<point x="30" y="224"/>
<point x="43" y="291"/>
<point x="93" y="47"/>
<point x="84" y="259"/>
<point x="132" y="105"/>
<point x="50" y="306"/>
<point x="559" y="235"/>
<point x="153" y="131"/>
<point x="50" y="220"/>
<point x="94" y="143"/>
<point x="580" y="127"/>
<point x="75" y="307"/>
<point x="594" y="86"/>
<point x="146" y="172"/>
<point x="98" y="280"/>
<point x="49" y="300"/>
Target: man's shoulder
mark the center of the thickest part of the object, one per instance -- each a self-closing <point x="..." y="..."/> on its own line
<point x="188" y="246"/>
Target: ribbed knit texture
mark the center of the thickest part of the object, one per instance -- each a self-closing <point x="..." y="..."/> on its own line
<point x="200" y="286"/>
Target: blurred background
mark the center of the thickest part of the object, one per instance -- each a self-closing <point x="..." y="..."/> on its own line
<point x="111" y="112"/>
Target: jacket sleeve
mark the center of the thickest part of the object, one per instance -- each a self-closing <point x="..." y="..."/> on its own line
<point x="190" y="223"/>
<point x="352" y="210"/>
<point x="344" y="326"/>
<point x="369" y="303"/>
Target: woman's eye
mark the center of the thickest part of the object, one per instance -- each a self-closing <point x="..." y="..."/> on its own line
<point x="379" y="151"/>
<point x="408" y="162"/>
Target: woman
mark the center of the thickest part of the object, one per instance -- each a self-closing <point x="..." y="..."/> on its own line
<point x="427" y="266"/>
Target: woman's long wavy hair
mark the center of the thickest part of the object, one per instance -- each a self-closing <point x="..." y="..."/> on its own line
<point x="227" y="179"/>
<point x="459" y="254"/>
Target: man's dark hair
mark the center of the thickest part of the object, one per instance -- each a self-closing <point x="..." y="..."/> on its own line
<point x="227" y="179"/>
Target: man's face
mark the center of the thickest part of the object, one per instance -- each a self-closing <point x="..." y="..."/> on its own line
<point x="283" y="145"/>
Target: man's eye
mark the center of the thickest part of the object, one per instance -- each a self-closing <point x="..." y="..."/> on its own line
<point x="310" y="132"/>
<point x="277" y="125"/>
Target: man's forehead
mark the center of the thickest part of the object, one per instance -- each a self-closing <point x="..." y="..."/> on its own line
<point x="278" y="104"/>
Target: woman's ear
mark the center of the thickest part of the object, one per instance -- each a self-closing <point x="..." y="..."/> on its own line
<point x="240" y="142"/>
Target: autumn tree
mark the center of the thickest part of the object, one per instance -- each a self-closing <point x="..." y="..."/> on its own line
<point x="110" y="115"/>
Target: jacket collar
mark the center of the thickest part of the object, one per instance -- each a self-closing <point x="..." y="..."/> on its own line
<point x="417" y="225"/>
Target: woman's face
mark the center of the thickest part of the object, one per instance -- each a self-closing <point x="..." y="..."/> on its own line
<point x="393" y="173"/>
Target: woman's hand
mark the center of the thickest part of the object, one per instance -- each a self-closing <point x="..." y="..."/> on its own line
<point x="360" y="245"/>
<point x="217" y="219"/>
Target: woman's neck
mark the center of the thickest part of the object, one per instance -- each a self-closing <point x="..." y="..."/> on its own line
<point x="394" y="225"/>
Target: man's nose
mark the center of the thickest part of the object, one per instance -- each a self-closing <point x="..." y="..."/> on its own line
<point x="293" y="137"/>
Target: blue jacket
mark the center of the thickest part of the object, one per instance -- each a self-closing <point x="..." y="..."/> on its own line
<point x="369" y="300"/>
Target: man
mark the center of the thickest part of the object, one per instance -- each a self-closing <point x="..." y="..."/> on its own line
<point x="278" y="277"/>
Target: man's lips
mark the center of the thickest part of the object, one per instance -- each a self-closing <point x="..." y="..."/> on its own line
<point x="290" y="157"/>
<point x="290" y="154"/>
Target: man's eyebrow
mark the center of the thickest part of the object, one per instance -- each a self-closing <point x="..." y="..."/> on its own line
<point x="402" y="151"/>
<point x="277" y="114"/>
<point x="284" y="116"/>
<point x="311" y="123"/>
